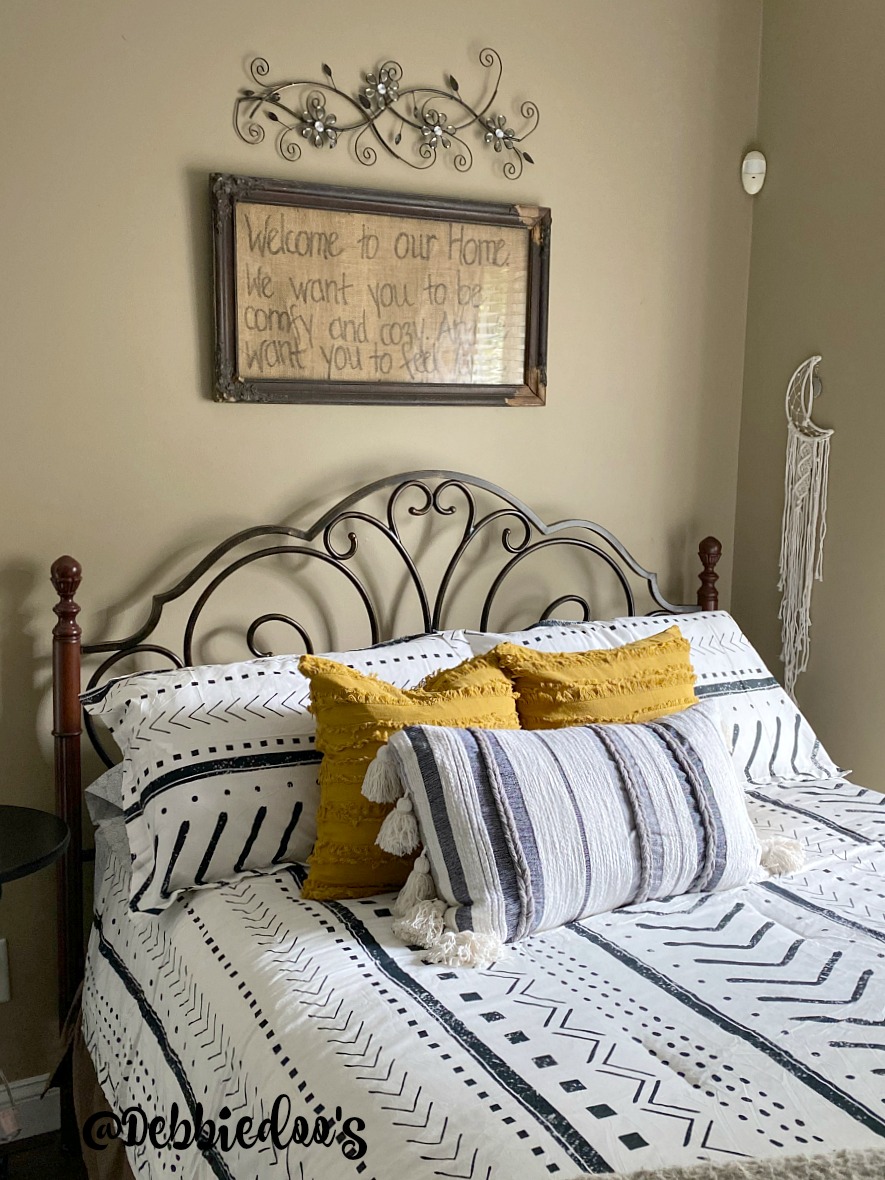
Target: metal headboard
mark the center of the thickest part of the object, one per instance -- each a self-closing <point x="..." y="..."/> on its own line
<point x="491" y="531"/>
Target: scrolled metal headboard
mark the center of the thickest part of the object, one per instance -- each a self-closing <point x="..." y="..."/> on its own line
<point x="491" y="532"/>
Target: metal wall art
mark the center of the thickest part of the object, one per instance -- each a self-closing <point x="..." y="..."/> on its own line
<point x="413" y="124"/>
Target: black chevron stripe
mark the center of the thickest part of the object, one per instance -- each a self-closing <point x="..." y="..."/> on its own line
<point x="858" y="1020"/>
<point x="823" y="975"/>
<point x="859" y="988"/>
<point x="788" y="958"/>
<point x="720" y="925"/>
<point x="732" y="946"/>
<point x="421" y="1126"/>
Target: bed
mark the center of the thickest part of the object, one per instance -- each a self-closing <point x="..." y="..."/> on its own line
<point x="710" y="1027"/>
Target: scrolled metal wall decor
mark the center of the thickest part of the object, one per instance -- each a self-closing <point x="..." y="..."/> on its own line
<point x="303" y="109"/>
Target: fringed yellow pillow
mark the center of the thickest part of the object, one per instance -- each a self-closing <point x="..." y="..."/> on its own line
<point x="355" y="716"/>
<point x="637" y="682"/>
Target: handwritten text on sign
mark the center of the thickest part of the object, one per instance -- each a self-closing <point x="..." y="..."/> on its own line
<point x="342" y="296"/>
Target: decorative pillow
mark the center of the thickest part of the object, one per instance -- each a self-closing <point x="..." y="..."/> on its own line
<point x="525" y="831"/>
<point x="220" y="765"/>
<point x="771" y="740"/>
<point x="636" y="682"/>
<point x="355" y="715"/>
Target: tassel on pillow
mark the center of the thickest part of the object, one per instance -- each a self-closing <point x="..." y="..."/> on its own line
<point x="424" y="926"/>
<point x="399" y="832"/>
<point x="419" y="887"/>
<point x="381" y="784"/>
<point x="781" y="855"/>
<point x="420" y="915"/>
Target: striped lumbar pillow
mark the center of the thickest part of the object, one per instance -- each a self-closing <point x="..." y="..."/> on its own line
<point x="525" y="831"/>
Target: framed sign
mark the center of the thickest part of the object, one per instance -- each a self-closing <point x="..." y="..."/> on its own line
<point x="351" y="296"/>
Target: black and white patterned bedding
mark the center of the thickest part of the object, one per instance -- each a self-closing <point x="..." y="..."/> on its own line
<point x="711" y="1027"/>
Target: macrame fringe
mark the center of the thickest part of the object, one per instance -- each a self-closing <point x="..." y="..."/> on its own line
<point x="382" y="783"/>
<point x="804" y="523"/>
<point x="424" y="926"/>
<point x="399" y="832"/>
<point x="419" y="887"/>
<point x="781" y="855"/>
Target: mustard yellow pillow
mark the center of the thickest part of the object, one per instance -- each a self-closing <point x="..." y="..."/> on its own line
<point x="355" y="715"/>
<point x="636" y="682"/>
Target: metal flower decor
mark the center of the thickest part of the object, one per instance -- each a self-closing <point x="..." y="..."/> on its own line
<point x="388" y="113"/>
<point x="318" y="127"/>
<point x="435" y="130"/>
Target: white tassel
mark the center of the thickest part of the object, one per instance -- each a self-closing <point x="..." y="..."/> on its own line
<point x="423" y="925"/>
<point x="466" y="949"/>
<point x="399" y="832"/>
<point x="419" y="887"/>
<point x="780" y="856"/>
<point x="382" y="784"/>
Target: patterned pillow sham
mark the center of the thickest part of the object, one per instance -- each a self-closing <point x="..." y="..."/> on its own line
<point x="220" y="762"/>
<point x="771" y="740"/>
<point x="525" y="831"/>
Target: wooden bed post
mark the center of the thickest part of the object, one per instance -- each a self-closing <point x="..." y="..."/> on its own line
<point x="709" y="551"/>
<point x="65" y="576"/>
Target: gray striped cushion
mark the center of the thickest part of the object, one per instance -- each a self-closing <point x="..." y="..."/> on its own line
<point x="527" y="830"/>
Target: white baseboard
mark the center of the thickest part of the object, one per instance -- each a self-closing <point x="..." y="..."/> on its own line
<point x="38" y="1115"/>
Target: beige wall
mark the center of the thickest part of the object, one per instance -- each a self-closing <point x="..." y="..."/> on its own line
<point x="114" y="114"/>
<point x="818" y="286"/>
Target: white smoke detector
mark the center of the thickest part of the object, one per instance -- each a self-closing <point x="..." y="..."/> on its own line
<point x="753" y="172"/>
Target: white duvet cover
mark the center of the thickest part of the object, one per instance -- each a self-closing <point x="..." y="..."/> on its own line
<point x="712" y="1027"/>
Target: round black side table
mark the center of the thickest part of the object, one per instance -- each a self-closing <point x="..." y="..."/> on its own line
<point x="29" y="840"/>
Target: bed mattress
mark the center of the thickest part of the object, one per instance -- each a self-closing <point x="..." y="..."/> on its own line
<point x="707" y="1027"/>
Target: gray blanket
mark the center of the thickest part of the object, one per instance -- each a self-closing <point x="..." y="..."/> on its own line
<point x="840" y="1165"/>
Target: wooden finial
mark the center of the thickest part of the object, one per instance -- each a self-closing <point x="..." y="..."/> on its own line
<point x="709" y="551"/>
<point x="66" y="574"/>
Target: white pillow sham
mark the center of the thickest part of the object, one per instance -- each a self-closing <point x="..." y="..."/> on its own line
<point x="771" y="740"/>
<point x="219" y="762"/>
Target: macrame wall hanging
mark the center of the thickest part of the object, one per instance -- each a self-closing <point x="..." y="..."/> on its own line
<point x="805" y="518"/>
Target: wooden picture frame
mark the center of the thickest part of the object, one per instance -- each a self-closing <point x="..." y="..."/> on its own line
<point x="351" y="296"/>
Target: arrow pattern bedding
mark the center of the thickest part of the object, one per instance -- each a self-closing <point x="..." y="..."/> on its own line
<point x="749" y="1023"/>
